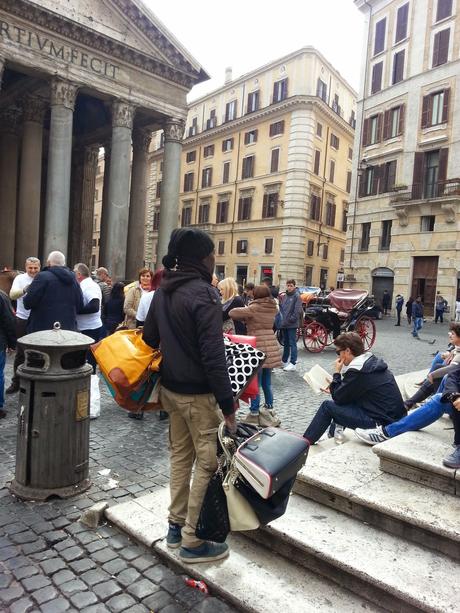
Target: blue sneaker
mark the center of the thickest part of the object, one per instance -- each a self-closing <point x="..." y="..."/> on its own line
<point x="207" y="552"/>
<point x="174" y="536"/>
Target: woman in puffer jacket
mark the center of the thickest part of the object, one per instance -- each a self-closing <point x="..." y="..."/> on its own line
<point x="259" y="317"/>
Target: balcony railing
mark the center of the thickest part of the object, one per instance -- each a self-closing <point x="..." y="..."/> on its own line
<point x="425" y="191"/>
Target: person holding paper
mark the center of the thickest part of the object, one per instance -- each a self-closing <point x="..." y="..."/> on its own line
<point x="363" y="390"/>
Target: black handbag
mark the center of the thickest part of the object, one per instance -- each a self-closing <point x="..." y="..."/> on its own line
<point x="266" y="509"/>
<point x="213" y="522"/>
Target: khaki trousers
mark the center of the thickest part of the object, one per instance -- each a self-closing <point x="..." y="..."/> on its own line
<point x="193" y="424"/>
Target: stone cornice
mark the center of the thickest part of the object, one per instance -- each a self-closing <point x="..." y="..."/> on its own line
<point x="290" y="104"/>
<point x="184" y="75"/>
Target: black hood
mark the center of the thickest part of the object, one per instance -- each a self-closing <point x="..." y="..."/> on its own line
<point x="63" y="273"/>
<point x="371" y="364"/>
<point x="173" y="279"/>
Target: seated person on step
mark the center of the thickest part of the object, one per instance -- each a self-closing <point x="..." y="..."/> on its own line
<point x="363" y="391"/>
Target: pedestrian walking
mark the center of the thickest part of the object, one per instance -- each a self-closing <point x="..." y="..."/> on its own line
<point x="53" y="296"/>
<point x="409" y="304"/>
<point x="417" y="316"/>
<point x="399" y="305"/>
<point x="89" y="319"/>
<point x="7" y="341"/>
<point x="440" y="307"/>
<point x="291" y="312"/>
<point x="259" y="317"/>
<point x="17" y="292"/>
<point x="185" y="318"/>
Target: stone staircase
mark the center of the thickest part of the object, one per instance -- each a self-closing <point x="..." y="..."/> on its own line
<point x="366" y="529"/>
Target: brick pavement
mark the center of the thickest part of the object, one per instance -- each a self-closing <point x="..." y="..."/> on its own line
<point x="49" y="562"/>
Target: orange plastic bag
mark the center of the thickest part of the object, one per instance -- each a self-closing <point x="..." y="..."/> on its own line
<point x="125" y="359"/>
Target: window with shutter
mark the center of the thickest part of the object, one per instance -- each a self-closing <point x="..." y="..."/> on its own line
<point x="398" y="67"/>
<point x="244" y="208"/>
<point x="376" y="82"/>
<point x="375" y="124"/>
<point x="188" y="181"/>
<point x="325" y="251"/>
<point x="387" y="177"/>
<point x="191" y="156"/>
<point x="401" y="22"/>
<point x="441" y="47"/>
<point x="156" y="219"/>
<point x="427" y="223"/>
<point x="268" y="245"/>
<point x="270" y="205"/>
<point x="379" y="41"/>
<point x="221" y="248"/>
<point x="385" y="235"/>
<point x="348" y="187"/>
<point x="315" y="207"/>
<point x="321" y="90"/>
<point x="158" y="189"/>
<point x="365" y="236"/>
<point x="350" y="153"/>
<point x="331" y="171"/>
<point x="226" y="172"/>
<point x="253" y="102"/>
<point x="342" y="256"/>
<point x="335" y="142"/>
<point x="274" y="161"/>
<point x="280" y="90"/>
<point x="308" y="275"/>
<point x="330" y="214"/>
<point x="366" y="132"/>
<point x="248" y="167"/>
<point x="417" y="175"/>
<point x="227" y="144"/>
<point x="222" y="211"/>
<point x="242" y="246"/>
<point x="186" y="219"/>
<point x="208" y="151"/>
<point x="444" y="9"/>
<point x="250" y="137"/>
<point x="310" y="248"/>
<point x="276" y="128"/>
<point x="317" y="162"/>
<point x="344" y="220"/>
<point x="319" y="129"/>
<point x="230" y="111"/>
<point x="206" y="177"/>
<point x="203" y="213"/>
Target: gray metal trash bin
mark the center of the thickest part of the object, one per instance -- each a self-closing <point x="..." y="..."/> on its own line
<point x="52" y="454"/>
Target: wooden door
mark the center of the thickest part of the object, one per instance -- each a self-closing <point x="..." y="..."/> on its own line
<point x="424" y="280"/>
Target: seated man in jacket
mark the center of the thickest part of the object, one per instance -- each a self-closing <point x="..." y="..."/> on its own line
<point x="363" y="391"/>
<point x="451" y="395"/>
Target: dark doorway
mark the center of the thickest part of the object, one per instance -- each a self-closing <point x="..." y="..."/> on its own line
<point x="424" y="280"/>
<point x="382" y="279"/>
<point x="241" y="275"/>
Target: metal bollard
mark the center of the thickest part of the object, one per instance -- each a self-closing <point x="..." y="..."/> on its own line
<point x="52" y="454"/>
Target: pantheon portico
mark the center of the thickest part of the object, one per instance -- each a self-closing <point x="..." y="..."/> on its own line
<point x="78" y="77"/>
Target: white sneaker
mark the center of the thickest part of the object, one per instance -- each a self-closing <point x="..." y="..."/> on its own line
<point x="290" y="366"/>
<point x="284" y="364"/>
<point x="371" y="436"/>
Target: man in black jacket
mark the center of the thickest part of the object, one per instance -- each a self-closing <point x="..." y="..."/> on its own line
<point x="185" y="321"/>
<point x="451" y="393"/>
<point x="54" y="295"/>
<point x="363" y="391"/>
<point x="7" y="341"/>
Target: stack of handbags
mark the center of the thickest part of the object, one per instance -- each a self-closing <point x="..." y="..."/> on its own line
<point x="130" y="369"/>
<point x="256" y="472"/>
<point x="243" y="363"/>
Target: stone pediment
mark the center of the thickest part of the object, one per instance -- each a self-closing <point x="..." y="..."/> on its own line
<point x="115" y="26"/>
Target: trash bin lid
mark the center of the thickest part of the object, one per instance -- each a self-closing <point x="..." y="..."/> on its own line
<point x="56" y="337"/>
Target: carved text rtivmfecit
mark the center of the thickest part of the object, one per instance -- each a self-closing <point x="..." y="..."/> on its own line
<point x="66" y="53"/>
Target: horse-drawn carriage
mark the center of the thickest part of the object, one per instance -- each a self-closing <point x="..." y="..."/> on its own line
<point x="342" y="310"/>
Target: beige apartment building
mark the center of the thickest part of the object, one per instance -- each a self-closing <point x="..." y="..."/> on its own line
<point x="403" y="232"/>
<point x="266" y="169"/>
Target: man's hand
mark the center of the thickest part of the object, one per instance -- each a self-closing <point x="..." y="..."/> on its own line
<point x="456" y="404"/>
<point x="230" y="422"/>
<point x="10" y="350"/>
<point x="338" y="365"/>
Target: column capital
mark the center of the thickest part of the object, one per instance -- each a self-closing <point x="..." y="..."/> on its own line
<point x="122" y="114"/>
<point x="34" y="109"/>
<point x="173" y="129"/>
<point x="63" y="93"/>
<point x="91" y="154"/>
<point x="9" y="119"/>
<point x="142" y="139"/>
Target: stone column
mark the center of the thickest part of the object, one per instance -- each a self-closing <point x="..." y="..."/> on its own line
<point x="87" y="203"/>
<point x="63" y="96"/>
<point x="2" y="66"/>
<point x="76" y="188"/>
<point x="169" y="200"/>
<point x="118" y="190"/>
<point x="9" y="146"/>
<point x="138" y="202"/>
<point x="30" y="182"/>
<point x="105" y="208"/>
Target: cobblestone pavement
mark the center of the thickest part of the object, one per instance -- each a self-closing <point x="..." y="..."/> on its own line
<point x="50" y="562"/>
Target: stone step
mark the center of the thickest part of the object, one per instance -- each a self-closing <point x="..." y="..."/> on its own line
<point x="251" y="578"/>
<point x="394" y="573"/>
<point x="407" y="382"/>
<point x="348" y="478"/>
<point x="417" y="456"/>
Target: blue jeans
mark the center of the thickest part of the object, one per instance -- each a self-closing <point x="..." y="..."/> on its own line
<point x="436" y="363"/>
<point x="422" y="417"/>
<point x="265" y="382"/>
<point x="2" y="377"/>
<point x="418" y="325"/>
<point x="347" y="415"/>
<point x="290" y="344"/>
<point x="439" y="315"/>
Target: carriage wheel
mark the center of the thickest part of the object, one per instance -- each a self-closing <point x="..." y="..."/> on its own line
<point x="315" y="337"/>
<point x="365" y="327"/>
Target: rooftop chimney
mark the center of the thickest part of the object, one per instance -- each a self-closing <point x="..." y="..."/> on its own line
<point x="228" y="74"/>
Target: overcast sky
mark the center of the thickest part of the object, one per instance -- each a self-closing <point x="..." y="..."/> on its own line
<point x="246" y="34"/>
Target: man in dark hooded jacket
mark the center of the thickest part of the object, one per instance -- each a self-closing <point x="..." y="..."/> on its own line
<point x="363" y="391"/>
<point x="185" y="321"/>
<point x="54" y="295"/>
